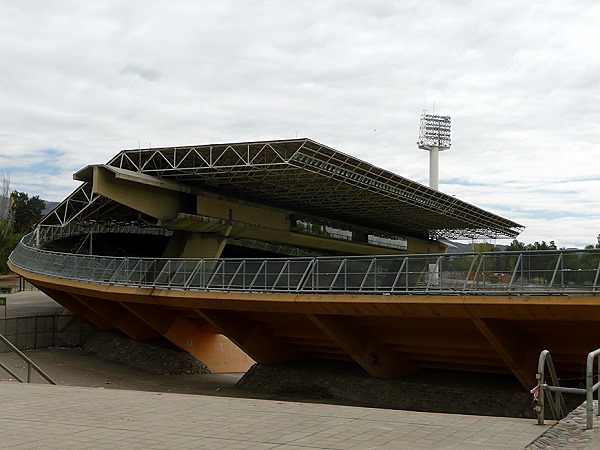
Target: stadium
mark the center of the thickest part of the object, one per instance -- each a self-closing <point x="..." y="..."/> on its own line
<point x="290" y="250"/>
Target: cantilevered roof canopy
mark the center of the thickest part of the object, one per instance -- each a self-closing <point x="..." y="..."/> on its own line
<point x="304" y="176"/>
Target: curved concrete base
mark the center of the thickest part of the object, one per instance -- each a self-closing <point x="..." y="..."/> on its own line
<point x="386" y="335"/>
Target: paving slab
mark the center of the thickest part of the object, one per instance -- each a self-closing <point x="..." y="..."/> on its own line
<point x="64" y="417"/>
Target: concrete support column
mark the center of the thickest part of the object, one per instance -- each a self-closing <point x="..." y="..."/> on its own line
<point x="373" y="356"/>
<point x="186" y="244"/>
<point x="434" y="164"/>
<point x="193" y="336"/>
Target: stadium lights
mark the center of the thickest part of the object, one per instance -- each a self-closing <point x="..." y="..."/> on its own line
<point x="434" y="136"/>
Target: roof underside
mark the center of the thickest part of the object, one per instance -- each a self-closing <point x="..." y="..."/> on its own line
<point x="304" y="176"/>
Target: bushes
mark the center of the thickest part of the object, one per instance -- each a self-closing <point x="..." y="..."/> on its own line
<point x="7" y="245"/>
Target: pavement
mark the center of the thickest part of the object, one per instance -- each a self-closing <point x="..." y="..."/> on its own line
<point x="101" y="405"/>
<point x="36" y="416"/>
<point x="29" y="303"/>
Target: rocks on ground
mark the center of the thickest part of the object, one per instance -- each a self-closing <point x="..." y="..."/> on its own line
<point x="158" y="356"/>
<point x="441" y="391"/>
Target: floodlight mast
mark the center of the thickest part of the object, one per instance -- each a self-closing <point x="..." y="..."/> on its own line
<point x="434" y="136"/>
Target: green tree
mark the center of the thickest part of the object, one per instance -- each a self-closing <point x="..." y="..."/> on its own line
<point x="516" y="246"/>
<point x="6" y="218"/>
<point x="7" y="245"/>
<point x="26" y="211"/>
<point x="8" y="240"/>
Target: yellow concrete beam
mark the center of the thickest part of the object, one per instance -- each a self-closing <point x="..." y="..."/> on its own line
<point x="78" y="308"/>
<point x="518" y="354"/>
<point x="155" y="201"/>
<point x="164" y="199"/>
<point x="205" y="224"/>
<point x="378" y="359"/>
<point x="185" y="244"/>
<point x="120" y="317"/>
<point x="255" y="339"/>
<point x="213" y="349"/>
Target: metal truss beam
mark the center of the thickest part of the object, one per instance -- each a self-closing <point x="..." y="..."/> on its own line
<point x="305" y="176"/>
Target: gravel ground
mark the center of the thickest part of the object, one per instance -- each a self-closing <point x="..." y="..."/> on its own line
<point x="76" y="367"/>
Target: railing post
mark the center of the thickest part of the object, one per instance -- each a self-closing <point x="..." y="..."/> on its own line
<point x="440" y="268"/>
<point x="541" y="382"/>
<point x="375" y="274"/>
<point x="558" y="268"/>
<point x="514" y="274"/>
<point x="407" y="278"/>
<point x="562" y="272"/>
<point x="523" y="273"/>
<point x="473" y="261"/>
<point x="484" y="277"/>
<point x="589" y="394"/>
<point x="598" y="377"/>
<point x="595" y="285"/>
<point x="476" y="274"/>
<point x="364" y="280"/>
<point x="541" y="403"/>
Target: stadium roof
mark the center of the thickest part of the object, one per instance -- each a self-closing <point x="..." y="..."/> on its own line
<point x="303" y="176"/>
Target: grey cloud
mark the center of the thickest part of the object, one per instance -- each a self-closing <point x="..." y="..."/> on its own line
<point x="145" y="73"/>
<point x="88" y="79"/>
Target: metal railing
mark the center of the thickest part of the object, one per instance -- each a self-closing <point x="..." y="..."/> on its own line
<point x="557" y="405"/>
<point x="30" y="364"/>
<point x="557" y="402"/>
<point x="47" y="233"/>
<point x="568" y="272"/>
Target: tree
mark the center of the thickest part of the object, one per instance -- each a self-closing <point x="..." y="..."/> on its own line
<point x="26" y="211"/>
<point x="6" y="216"/>
<point x="7" y="245"/>
<point x="516" y="246"/>
<point x="8" y="240"/>
<point x="18" y="215"/>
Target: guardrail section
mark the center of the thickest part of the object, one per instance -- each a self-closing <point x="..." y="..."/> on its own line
<point x="503" y="273"/>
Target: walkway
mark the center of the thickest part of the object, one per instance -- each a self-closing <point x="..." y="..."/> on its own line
<point x="39" y="416"/>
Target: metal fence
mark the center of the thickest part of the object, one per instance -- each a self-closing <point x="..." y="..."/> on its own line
<point x="40" y="331"/>
<point x="503" y="273"/>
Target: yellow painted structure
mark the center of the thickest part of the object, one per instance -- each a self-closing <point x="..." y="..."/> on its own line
<point x="213" y="218"/>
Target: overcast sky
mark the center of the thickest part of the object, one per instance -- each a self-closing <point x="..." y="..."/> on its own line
<point x="80" y="81"/>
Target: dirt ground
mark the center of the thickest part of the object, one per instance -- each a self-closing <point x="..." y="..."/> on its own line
<point x="75" y="367"/>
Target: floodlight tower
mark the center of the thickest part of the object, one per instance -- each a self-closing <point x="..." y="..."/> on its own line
<point x="434" y="136"/>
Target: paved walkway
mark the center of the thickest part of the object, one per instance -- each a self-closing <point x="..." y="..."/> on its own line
<point x="571" y="432"/>
<point x="40" y="416"/>
<point x="36" y="416"/>
<point x="27" y="303"/>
